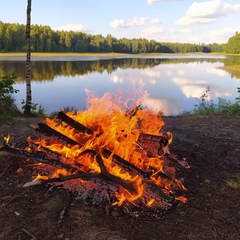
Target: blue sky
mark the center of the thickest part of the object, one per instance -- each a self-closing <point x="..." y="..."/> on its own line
<point x="185" y="21"/>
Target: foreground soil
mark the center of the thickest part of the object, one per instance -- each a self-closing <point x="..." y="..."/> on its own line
<point x="211" y="145"/>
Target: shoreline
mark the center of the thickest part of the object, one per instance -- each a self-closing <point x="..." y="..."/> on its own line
<point x="44" y="55"/>
<point x="111" y="54"/>
<point x="49" y="54"/>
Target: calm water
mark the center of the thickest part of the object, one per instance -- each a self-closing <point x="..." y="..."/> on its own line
<point x="174" y="83"/>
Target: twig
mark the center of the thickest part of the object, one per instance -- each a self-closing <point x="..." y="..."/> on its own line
<point x="63" y="212"/>
<point x="82" y="175"/>
<point x="29" y="234"/>
<point x="4" y="171"/>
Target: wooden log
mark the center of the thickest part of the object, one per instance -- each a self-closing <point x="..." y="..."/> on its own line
<point x="36" y="156"/>
<point x="49" y="131"/>
<point x="125" y="165"/>
<point x="160" y="140"/>
<point x="76" y="125"/>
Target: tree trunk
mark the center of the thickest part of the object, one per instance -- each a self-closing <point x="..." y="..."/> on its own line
<point x="28" y="105"/>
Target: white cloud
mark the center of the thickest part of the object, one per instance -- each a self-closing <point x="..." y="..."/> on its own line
<point x="172" y="30"/>
<point x="176" y="35"/>
<point x="120" y="23"/>
<point x="207" y="12"/>
<point x="155" y="20"/>
<point x="154" y="1"/>
<point x="187" y="20"/>
<point x="167" y="106"/>
<point x="223" y="33"/>
<point x="151" y="32"/>
<point x="220" y="35"/>
<point x="118" y="78"/>
<point x="151" y="72"/>
<point x="190" y="89"/>
<point x="185" y="30"/>
<point x="195" y="89"/>
<point x="71" y="27"/>
<point x="137" y="22"/>
<point x="217" y="71"/>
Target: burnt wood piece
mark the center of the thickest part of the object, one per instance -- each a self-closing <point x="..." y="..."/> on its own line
<point x="153" y="138"/>
<point x="83" y="175"/>
<point x="37" y="156"/>
<point x="152" y="189"/>
<point x="49" y="152"/>
<point x="152" y="144"/>
<point x="108" y="176"/>
<point x="145" y="213"/>
<point x="104" y="173"/>
<point x="125" y="164"/>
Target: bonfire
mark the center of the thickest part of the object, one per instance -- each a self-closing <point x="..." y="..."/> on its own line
<point x="108" y="154"/>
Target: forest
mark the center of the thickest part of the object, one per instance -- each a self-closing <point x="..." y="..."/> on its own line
<point x="44" y="39"/>
<point x="233" y="44"/>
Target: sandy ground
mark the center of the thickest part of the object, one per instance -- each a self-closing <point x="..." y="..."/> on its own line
<point x="211" y="145"/>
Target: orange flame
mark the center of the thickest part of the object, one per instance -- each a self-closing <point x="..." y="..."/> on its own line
<point x="6" y="139"/>
<point x="117" y="130"/>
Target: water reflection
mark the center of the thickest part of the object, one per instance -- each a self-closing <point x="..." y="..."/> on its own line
<point x="172" y="84"/>
<point x="47" y="70"/>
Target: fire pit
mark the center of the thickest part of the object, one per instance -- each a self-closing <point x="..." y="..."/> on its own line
<point x="108" y="156"/>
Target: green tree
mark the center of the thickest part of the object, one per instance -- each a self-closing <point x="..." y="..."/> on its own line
<point x="233" y="44"/>
<point x="44" y="39"/>
<point x="6" y="89"/>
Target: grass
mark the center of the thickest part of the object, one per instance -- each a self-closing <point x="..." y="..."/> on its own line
<point x="9" y="111"/>
<point x="208" y="107"/>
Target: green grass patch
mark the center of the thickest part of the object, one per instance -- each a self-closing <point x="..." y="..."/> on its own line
<point x="223" y="106"/>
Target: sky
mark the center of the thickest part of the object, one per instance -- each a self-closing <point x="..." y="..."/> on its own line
<point x="183" y="21"/>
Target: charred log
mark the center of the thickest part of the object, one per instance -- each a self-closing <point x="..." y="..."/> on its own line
<point x="36" y="156"/>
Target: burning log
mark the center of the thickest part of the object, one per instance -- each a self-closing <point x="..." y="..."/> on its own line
<point x="105" y="152"/>
<point x="140" y="179"/>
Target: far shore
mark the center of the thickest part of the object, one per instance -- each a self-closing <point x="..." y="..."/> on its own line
<point x="53" y="54"/>
<point x="112" y="54"/>
<point x="69" y="54"/>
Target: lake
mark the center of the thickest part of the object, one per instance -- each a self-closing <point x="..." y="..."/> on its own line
<point x="170" y="83"/>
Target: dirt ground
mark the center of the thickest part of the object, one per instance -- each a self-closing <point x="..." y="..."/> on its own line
<point x="211" y="145"/>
